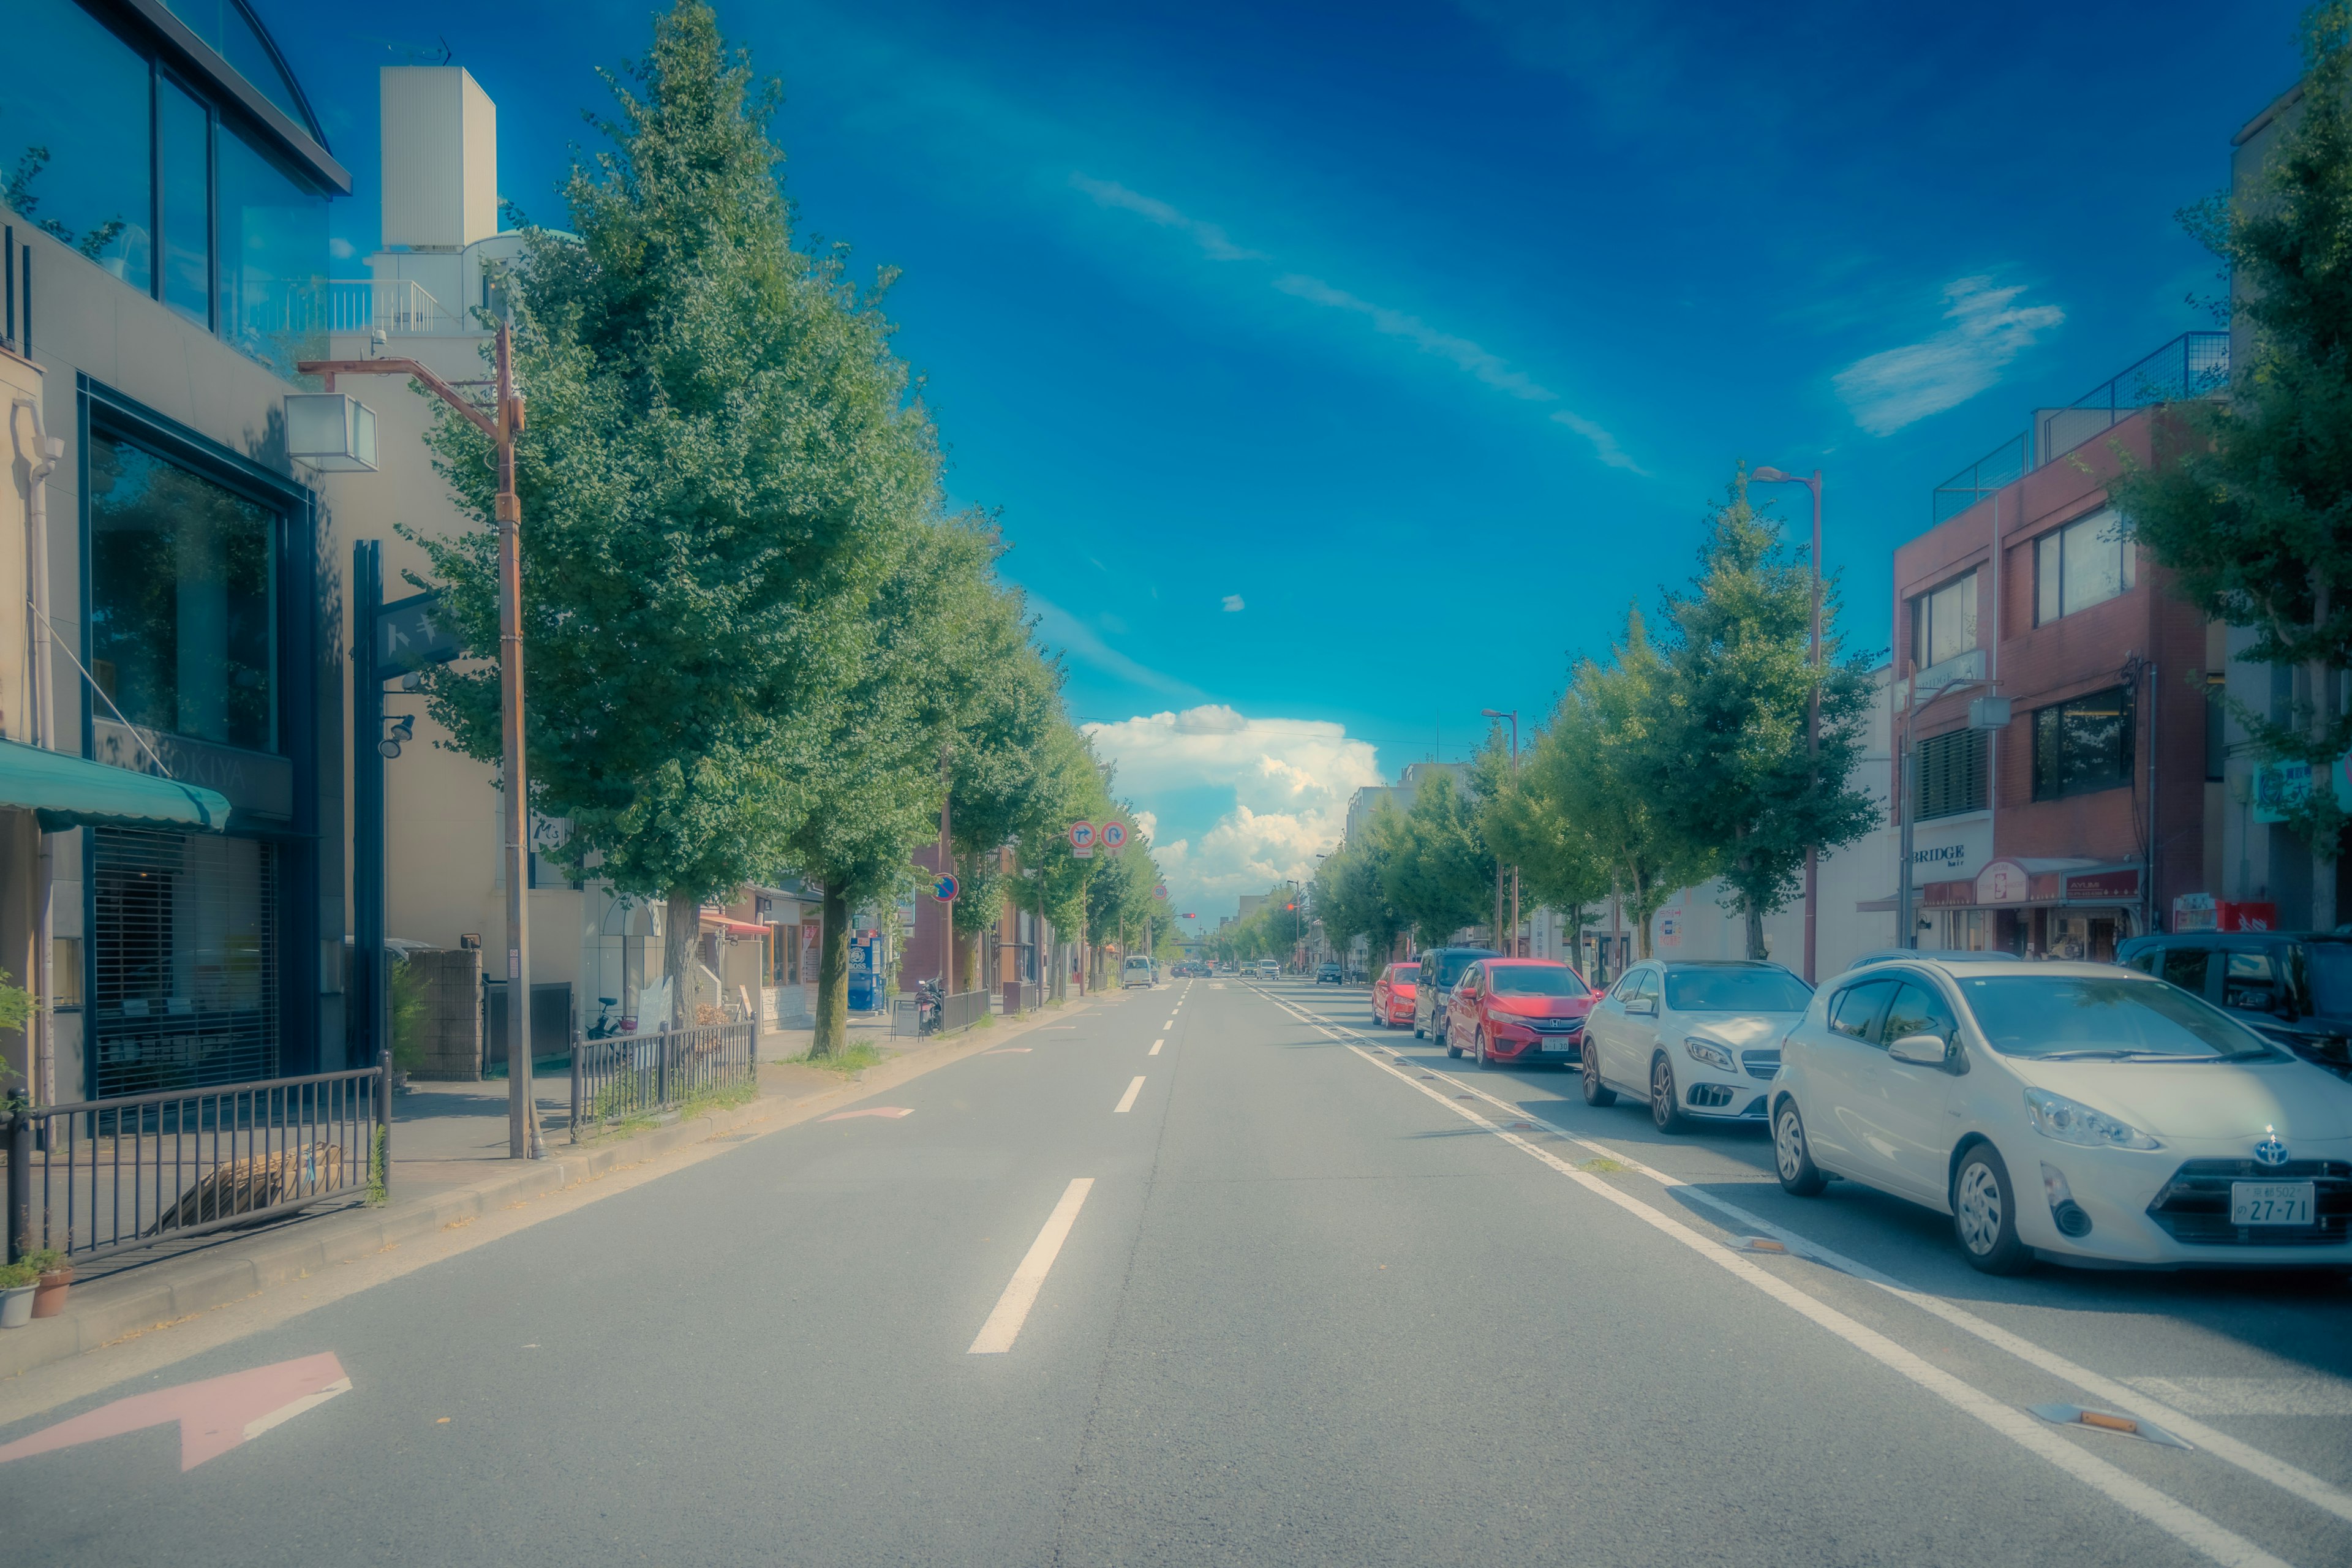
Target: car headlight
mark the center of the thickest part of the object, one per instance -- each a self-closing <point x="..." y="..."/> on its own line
<point x="1710" y="1053"/>
<point x="2072" y="1122"/>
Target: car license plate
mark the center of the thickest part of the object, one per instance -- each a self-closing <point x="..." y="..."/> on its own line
<point x="2271" y="1203"/>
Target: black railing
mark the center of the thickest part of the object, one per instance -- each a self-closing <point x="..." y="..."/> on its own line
<point x="101" y="1176"/>
<point x="962" y="1010"/>
<point x="637" y="1075"/>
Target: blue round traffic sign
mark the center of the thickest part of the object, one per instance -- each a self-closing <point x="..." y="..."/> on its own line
<point x="943" y="887"/>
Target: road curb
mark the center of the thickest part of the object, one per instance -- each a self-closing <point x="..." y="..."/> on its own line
<point x="181" y="1289"/>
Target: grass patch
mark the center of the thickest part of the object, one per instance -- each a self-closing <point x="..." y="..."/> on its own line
<point x="985" y="1021"/>
<point x="723" y="1097"/>
<point x="1605" y="1166"/>
<point x="848" y="1063"/>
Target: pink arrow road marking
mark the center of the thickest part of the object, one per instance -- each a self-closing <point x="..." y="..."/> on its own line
<point x="891" y="1110"/>
<point x="215" y="1415"/>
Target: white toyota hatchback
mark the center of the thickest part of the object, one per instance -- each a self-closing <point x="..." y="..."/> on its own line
<point x="2069" y="1110"/>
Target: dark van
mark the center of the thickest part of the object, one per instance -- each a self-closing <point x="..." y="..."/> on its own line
<point x="2295" y="987"/>
<point x="1440" y="968"/>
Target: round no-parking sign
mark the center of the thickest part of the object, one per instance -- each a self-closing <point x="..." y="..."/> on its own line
<point x="944" y="888"/>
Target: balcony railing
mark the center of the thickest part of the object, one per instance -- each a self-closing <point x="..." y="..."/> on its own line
<point x="2194" y="364"/>
<point x="395" y="307"/>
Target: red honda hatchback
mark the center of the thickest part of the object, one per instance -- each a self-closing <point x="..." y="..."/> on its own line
<point x="1393" y="995"/>
<point x="1520" y="1010"/>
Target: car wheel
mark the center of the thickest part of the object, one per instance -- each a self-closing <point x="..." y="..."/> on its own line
<point x="1478" y="1049"/>
<point x="1589" y="1067"/>
<point x="1665" y="1108"/>
<point x="1800" y="1177"/>
<point x="1984" y="1214"/>
<point x="1416" y="1031"/>
<point x="1445" y="1038"/>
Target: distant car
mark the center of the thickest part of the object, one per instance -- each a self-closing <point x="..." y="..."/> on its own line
<point x="1696" y="1039"/>
<point x="1518" y="1010"/>
<point x="1441" y="970"/>
<point x="1136" y="971"/>
<point x="2292" y="987"/>
<point x="1327" y="974"/>
<point x="1268" y="969"/>
<point x="1392" y="996"/>
<point x="2068" y="1110"/>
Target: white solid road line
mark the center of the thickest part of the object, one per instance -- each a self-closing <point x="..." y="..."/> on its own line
<point x="1004" y="1325"/>
<point x="1155" y="1048"/>
<point x="1127" y="1101"/>
<point x="2168" y="1514"/>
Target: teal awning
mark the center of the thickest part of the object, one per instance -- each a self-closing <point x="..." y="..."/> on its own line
<point x="71" y="792"/>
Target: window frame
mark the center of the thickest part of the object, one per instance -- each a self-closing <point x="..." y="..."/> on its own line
<point x="1922" y="619"/>
<point x="2055" y="542"/>
<point x="2047" y="769"/>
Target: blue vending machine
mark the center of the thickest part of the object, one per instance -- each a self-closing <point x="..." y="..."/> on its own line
<point x="865" y="981"/>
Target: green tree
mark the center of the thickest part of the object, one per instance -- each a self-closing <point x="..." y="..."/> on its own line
<point x="1561" y="865"/>
<point x="1437" y="869"/>
<point x="2250" y="500"/>
<point x="722" y="457"/>
<point x="1352" y="893"/>
<point x="1731" y="767"/>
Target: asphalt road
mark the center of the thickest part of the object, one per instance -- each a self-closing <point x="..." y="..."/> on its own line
<point x="1307" y="1293"/>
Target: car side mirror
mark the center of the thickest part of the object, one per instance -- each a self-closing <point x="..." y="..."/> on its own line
<point x="1919" y="1051"/>
<point x="1641" y="1006"/>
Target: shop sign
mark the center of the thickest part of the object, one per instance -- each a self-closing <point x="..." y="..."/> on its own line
<point x="2003" y="882"/>
<point x="2203" y="912"/>
<point x="2098" y="885"/>
<point x="2279" y="787"/>
<point x="1941" y="852"/>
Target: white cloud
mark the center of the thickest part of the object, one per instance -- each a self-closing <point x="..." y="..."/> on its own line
<point x="1233" y="603"/>
<point x="1290" y="781"/>
<point x="1213" y="241"/>
<point x="1057" y="628"/>
<point x="342" y="250"/>
<point x="1898" y="386"/>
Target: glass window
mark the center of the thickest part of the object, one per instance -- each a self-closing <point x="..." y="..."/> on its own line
<point x="1404" y="974"/>
<point x="2082" y="745"/>
<point x="2185" y="967"/>
<point x="1948" y="775"/>
<point x="1537" y="980"/>
<point x="74" y="156"/>
<point x="183" y="195"/>
<point x="1630" y="987"/>
<point x="1917" y="1010"/>
<point x="2327" y="969"/>
<point x="237" y="38"/>
<point x="1854" y="1009"/>
<point x="2056" y="1017"/>
<point x="1736" y="991"/>
<point x="273" y="256"/>
<point x="2081" y="564"/>
<point x="1452" y="962"/>
<point x="1943" y="623"/>
<point x="2250" y="983"/>
<point x="182" y="625"/>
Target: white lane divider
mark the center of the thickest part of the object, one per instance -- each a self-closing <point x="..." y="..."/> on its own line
<point x="2168" y="1514"/>
<point x="1155" y="1048"/>
<point x="1004" y="1325"/>
<point x="1127" y="1101"/>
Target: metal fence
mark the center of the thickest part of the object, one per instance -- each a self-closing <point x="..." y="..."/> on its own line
<point x="960" y="1010"/>
<point x="637" y="1075"/>
<point x="103" y="1176"/>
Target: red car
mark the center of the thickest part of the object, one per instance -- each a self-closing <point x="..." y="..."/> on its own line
<point x="1392" y="996"/>
<point x="1520" y="1010"/>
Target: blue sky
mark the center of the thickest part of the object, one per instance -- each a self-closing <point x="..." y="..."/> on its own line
<point x="1342" y="369"/>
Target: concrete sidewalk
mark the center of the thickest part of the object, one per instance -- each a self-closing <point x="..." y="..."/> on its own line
<point x="450" y="1164"/>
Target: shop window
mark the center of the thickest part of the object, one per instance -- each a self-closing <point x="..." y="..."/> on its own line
<point x="183" y="615"/>
<point x="185" y="941"/>
<point x="1947" y="774"/>
<point x="2081" y="564"/>
<point x="2082" y="745"/>
<point x="1943" y="623"/>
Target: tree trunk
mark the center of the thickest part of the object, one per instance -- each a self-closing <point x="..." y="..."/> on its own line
<point x="1755" y="931"/>
<point x="833" y="977"/>
<point x="682" y="924"/>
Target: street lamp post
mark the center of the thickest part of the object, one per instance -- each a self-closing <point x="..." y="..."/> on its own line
<point x="1514" y="717"/>
<point x="501" y="425"/>
<point x="1812" y="699"/>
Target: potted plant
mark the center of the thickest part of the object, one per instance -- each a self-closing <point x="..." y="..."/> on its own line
<point x="17" y="1283"/>
<point x="52" y="1278"/>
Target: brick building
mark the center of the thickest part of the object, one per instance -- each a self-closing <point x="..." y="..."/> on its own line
<point x="2052" y="716"/>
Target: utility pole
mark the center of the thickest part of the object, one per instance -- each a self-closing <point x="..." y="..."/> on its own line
<point x="502" y="423"/>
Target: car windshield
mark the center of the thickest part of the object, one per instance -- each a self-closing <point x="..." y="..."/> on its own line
<point x="1537" y="980"/>
<point x="1406" y="973"/>
<point x="2077" y="1017"/>
<point x="1450" y="965"/>
<point x="2327" y="970"/>
<point x="1736" y="991"/>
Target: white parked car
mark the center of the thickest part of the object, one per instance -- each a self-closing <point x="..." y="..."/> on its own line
<point x="2070" y="1109"/>
<point x="1696" y="1039"/>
